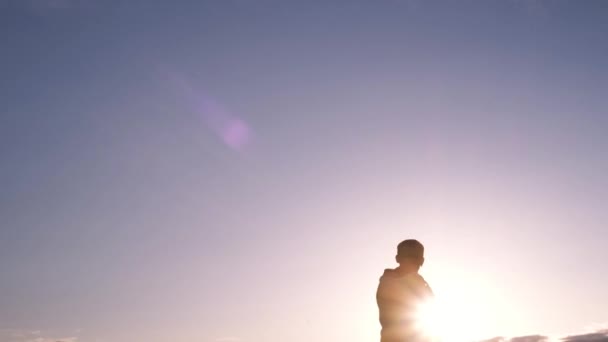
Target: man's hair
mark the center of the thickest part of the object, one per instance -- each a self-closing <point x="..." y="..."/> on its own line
<point x="410" y="248"/>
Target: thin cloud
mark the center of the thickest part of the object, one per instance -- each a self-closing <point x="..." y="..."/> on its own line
<point x="530" y="338"/>
<point x="496" y="339"/>
<point x="598" y="336"/>
<point x="17" y="335"/>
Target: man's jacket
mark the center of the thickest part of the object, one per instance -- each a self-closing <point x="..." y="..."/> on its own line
<point x="398" y="297"/>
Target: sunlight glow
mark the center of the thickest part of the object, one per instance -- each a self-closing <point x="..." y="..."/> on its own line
<point x="449" y="320"/>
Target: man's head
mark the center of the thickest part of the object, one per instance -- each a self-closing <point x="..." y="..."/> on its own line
<point x="410" y="253"/>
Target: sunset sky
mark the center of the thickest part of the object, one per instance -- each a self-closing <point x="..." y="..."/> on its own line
<point x="242" y="170"/>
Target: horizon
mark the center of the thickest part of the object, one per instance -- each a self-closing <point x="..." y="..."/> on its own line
<point x="242" y="171"/>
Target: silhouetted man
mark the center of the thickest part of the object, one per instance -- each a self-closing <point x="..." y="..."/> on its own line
<point x="400" y="291"/>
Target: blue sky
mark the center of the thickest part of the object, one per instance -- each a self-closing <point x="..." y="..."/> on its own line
<point x="243" y="170"/>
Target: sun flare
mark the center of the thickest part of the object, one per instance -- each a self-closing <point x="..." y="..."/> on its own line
<point x="440" y="321"/>
<point x="450" y="319"/>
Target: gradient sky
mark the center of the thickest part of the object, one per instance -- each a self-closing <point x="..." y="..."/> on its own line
<point x="243" y="170"/>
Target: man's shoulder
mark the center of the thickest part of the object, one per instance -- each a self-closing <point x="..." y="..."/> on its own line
<point x="393" y="274"/>
<point x="412" y="281"/>
<point x="422" y="287"/>
<point x="389" y="273"/>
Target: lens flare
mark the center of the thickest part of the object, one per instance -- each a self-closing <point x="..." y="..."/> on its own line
<point x="233" y="131"/>
<point x="444" y="320"/>
<point x="428" y="320"/>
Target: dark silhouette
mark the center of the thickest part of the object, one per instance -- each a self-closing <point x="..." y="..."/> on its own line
<point x="399" y="292"/>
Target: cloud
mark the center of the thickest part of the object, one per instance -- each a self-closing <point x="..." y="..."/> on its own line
<point x="530" y="338"/>
<point x="18" y="335"/>
<point x="598" y="336"/>
<point x="595" y="336"/>
<point x="495" y="339"/>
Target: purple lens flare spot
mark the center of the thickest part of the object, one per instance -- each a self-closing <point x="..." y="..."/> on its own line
<point x="236" y="134"/>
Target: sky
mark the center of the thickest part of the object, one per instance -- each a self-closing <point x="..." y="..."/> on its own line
<point x="242" y="170"/>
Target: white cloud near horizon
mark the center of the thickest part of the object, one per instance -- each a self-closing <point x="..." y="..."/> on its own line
<point x="17" y="335"/>
<point x="594" y="336"/>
